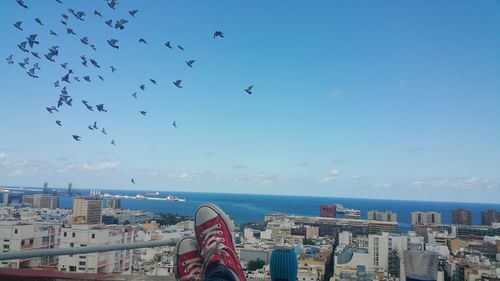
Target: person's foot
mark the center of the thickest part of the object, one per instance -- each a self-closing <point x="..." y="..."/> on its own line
<point x="188" y="262"/>
<point x="213" y="232"/>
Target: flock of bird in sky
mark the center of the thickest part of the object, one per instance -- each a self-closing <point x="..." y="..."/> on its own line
<point x="29" y="47"/>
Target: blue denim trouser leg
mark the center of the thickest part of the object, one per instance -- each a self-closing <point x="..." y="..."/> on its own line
<point x="218" y="272"/>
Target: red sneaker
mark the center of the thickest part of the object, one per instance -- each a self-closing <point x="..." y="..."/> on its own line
<point x="188" y="263"/>
<point x="213" y="231"/>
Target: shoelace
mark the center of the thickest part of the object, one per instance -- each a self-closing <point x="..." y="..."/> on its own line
<point x="194" y="267"/>
<point x="213" y="244"/>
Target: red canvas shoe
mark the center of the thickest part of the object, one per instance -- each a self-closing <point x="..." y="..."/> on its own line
<point x="188" y="263"/>
<point x="213" y="232"/>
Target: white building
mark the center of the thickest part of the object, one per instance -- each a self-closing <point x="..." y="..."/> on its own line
<point x="83" y="235"/>
<point x="425" y="218"/>
<point x="87" y="210"/>
<point x="21" y="236"/>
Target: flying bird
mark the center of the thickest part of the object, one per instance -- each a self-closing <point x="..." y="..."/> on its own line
<point x="50" y="57"/>
<point x="113" y="142"/>
<point x="93" y="46"/>
<point x="54" y="50"/>
<point x="64" y="65"/>
<point x="103" y="131"/>
<point x="153" y="81"/>
<point x="23" y="64"/>
<point x="77" y="138"/>
<point x="113" y="69"/>
<point x="53" y="33"/>
<point x="86" y="103"/>
<point x="35" y="54"/>
<point x="168" y="45"/>
<point x="65" y="78"/>
<point x="180" y="47"/>
<point x="112" y="4"/>
<point x="39" y="21"/>
<point x="109" y="23"/>
<point x="56" y="84"/>
<point x="112" y="43"/>
<point x="22" y="46"/>
<point x="100" y="108"/>
<point x="18" y="25"/>
<point x="63" y="22"/>
<point x="249" y="90"/>
<point x="36" y="66"/>
<point x="31" y="73"/>
<point x="133" y="12"/>
<point x="21" y="3"/>
<point x="134" y="95"/>
<point x="87" y="78"/>
<point x="95" y="63"/>
<point x="218" y="34"/>
<point x="58" y="122"/>
<point x="142" y="41"/>
<point x="97" y="13"/>
<point x="95" y="125"/>
<point x="59" y="1"/>
<point x="51" y="109"/>
<point x="79" y="14"/>
<point x="84" y="63"/>
<point x="100" y="77"/>
<point x="132" y="180"/>
<point x="85" y="40"/>
<point x="70" y="31"/>
<point x="90" y="127"/>
<point x="143" y="87"/>
<point x="9" y="60"/>
<point x="174" y="124"/>
<point x="76" y="78"/>
<point x="143" y="112"/>
<point x="190" y="63"/>
<point x="178" y="83"/>
<point x="32" y="40"/>
<point x="120" y="24"/>
<point x="65" y="17"/>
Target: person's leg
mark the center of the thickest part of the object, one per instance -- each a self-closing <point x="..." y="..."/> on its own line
<point x="213" y="232"/>
<point x="188" y="262"/>
<point x="218" y="272"/>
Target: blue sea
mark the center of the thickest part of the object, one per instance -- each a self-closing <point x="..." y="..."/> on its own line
<point x="249" y="207"/>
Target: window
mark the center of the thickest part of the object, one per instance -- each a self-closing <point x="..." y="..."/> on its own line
<point x="31" y="241"/>
<point x="6" y="240"/>
<point x="63" y="269"/>
<point x="81" y="268"/>
<point x="93" y="235"/>
<point x="83" y="245"/>
<point x="16" y="231"/>
<point x="73" y="234"/>
<point x="72" y="245"/>
<point x="72" y="268"/>
<point x="82" y="257"/>
<point x="81" y="263"/>
<point x="65" y="234"/>
<point x="22" y="242"/>
<point x="5" y="246"/>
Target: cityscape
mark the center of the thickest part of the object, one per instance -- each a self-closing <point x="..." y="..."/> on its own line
<point x="230" y="140"/>
<point x="335" y="244"/>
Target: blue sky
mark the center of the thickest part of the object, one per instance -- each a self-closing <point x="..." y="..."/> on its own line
<point x="394" y="99"/>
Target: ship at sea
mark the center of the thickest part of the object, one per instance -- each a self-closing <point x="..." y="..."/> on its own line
<point x="95" y="193"/>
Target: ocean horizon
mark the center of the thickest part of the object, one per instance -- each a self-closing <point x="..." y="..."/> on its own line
<point x="244" y="208"/>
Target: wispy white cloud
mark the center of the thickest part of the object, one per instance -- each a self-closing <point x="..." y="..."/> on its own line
<point x="458" y="183"/>
<point x="384" y="184"/>
<point x="101" y="166"/>
<point x="331" y="175"/>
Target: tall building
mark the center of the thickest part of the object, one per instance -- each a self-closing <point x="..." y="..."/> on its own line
<point x="42" y="201"/>
<point x="4" y="197"/>
<point x="382" y="216"/>
<point x="425" y="218"/>
<point x="45" y="187"/>
<point x="70" y="191"/>
<point x="92" y="235"/>
<point x="114" y="203"/>
<point x="328" y="211"/>
<point x="23" y="236"/>
<point x="420" y="265"/>
<point x="489" y="216"/>
<point x="461" y="216"/>
<point x="87" y="210"/>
